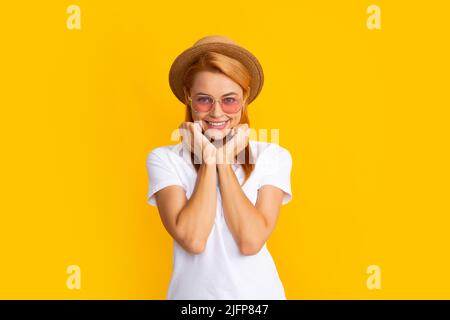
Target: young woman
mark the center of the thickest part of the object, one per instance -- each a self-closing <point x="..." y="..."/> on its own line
<point x="218" y="193"/>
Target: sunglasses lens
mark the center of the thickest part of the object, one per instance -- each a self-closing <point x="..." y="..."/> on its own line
<point x="230" y="105"/>
<point x="202" y="103"/>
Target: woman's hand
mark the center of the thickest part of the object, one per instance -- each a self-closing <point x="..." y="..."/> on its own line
<point x="228" y="152"/>
<point x="195" y="141"/>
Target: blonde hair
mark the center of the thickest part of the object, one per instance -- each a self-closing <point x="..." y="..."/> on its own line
<point x="236" y="71"/>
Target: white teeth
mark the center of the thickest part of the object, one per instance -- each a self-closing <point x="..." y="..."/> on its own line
<point x="216" y="124"/>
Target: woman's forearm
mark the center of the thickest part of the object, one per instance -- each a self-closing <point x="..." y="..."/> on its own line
<point x="245" y="222"/>
<point x="196" y="219"/>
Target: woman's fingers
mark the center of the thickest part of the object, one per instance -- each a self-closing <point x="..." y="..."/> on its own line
<point x="238" y="142"/>
<point x="232" y="148"/>
<point x="199" y="138"/>
<point x="188" y="136"/>
<point x="196" y="142"/>
<point x="184" y="132"/>
<point x="197" y="125"/>
<point x="199" y="144"/>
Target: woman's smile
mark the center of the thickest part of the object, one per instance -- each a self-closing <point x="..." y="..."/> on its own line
<point x="216" y="124"/>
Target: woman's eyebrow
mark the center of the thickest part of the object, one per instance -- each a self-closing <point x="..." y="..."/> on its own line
<point x="226" y="94"/>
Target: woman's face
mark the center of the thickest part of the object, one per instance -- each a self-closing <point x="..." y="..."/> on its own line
<point x="218" y="86"/>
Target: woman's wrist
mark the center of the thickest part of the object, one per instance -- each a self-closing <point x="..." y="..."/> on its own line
<point x="223" y="166"/>
<point x="209" y="156"/>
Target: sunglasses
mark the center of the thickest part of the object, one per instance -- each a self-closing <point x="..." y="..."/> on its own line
<point x="204" y="103"/>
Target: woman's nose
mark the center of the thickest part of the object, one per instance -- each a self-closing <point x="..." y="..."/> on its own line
<point x="216" y="109"/>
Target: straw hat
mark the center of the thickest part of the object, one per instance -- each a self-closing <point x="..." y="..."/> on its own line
<point x="219" y="44"/>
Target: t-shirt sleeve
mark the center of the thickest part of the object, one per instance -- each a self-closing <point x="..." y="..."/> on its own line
<point x="276" y="171"/>
<point x="161" y="174"/>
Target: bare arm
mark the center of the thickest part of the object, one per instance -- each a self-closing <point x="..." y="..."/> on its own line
<point x="251" y="225"/>
<point x="190" y="222"/>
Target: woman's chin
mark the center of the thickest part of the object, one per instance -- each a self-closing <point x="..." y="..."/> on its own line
<point x="215" y="134"/>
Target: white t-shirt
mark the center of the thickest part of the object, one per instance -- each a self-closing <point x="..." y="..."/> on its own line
<point x="221" y="271"/>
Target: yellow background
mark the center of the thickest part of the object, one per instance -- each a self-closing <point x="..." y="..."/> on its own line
<point x="363" y="112"/>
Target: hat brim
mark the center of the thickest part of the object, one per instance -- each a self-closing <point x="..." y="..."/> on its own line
<point x="190" y="55"/>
